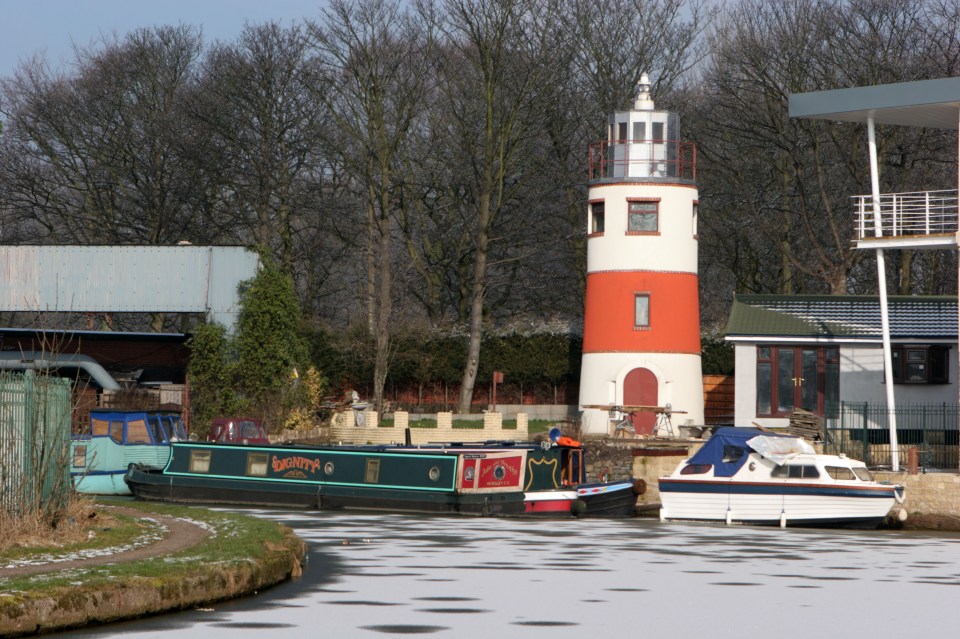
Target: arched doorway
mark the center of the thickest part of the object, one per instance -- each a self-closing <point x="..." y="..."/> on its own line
<point x="640" y="389"/>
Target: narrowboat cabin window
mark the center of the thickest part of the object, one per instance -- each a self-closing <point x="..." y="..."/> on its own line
<point x="79" y="456"/>
<point x="372" y="475"/>
<point x="156" y="429"/>
<point x="434" y="473"/>
<point x="116" y="432"/>
<point x="328" y="468"/>
<point x="257" y="464"/>
<point x="99" y="427"/>
<point x="137" y="432"/>
<point x="199" y="461"/>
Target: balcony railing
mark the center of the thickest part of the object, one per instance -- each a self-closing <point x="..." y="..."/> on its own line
<point x="642" y="159"/>
<point x="923" y="213"/>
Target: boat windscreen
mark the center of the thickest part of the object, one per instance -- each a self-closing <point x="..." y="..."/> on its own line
<point x="728" y="449"/>
<point x="780" y="449"/>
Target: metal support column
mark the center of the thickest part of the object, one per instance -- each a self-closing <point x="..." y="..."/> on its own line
<point x="882" y="281"/>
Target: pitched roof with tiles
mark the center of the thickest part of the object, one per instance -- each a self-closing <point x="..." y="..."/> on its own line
<point x="842" y="316"/>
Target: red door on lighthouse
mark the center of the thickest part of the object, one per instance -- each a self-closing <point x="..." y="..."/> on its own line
<point x="640" y="389"/>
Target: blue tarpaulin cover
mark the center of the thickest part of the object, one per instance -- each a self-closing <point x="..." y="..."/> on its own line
<point x="723" y="444"/>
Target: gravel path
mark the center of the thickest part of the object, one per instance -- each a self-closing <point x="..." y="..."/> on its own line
<point x="180" y="535"/>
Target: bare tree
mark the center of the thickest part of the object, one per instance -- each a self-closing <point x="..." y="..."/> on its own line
<point x="494" y="74"/>
<point x="256" y="102"/>
<point x="376" y="62"/>
<point x="775" y="189"/>
<point x="95" y="157"/>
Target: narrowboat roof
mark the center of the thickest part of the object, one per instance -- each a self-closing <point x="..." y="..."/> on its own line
<point x="112" y="413"/>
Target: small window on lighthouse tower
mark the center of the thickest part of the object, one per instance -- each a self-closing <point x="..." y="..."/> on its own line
<point x="641" y="315"/>
<point x="596" y="217"/>
<point x="642" y="217"/>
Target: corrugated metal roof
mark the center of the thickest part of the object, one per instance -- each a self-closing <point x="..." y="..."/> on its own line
<point x="146" y="279"/>
<point x="842" y="316"/>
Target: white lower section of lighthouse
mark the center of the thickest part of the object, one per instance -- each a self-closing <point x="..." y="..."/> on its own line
<point x="657" y="379"/>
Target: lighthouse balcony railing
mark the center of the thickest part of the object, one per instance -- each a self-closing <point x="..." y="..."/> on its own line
<point x="916" y="214"/>
<point x="643" y="159"/>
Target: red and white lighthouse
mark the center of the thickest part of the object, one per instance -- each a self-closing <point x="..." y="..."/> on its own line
<point x="641" y="334"/>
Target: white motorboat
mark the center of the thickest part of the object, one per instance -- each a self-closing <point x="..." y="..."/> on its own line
<point x="747" y="475"/>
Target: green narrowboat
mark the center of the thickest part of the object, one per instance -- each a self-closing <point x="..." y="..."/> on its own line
<point x="470" y="479"/>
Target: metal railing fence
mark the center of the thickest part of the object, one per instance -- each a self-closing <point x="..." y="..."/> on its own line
<point x="860" y="430"/>
<point x="34" y="442"/>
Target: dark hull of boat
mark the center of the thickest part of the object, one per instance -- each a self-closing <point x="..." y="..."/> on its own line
<point x="153" y="485"/>
<point x="609" y="499"/>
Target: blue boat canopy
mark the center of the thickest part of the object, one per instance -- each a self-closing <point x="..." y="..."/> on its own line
<point x="727" y="450"/>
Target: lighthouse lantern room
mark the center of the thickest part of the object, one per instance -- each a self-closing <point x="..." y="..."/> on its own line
<point x="641" y="335"/>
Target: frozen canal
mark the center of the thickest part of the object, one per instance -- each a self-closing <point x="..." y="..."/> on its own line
<point x="382" y="575"/>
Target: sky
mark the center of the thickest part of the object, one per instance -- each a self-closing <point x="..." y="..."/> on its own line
<point x="29" y="27"/>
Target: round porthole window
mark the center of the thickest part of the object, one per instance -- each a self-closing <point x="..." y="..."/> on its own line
<point x="499" y="472"/>
<point x="328" y="468"/>
<point x="753" y="466"/>
<point x="434" y="473"/>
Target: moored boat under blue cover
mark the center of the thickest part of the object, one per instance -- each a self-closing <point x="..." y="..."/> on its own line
<point x="748" y="475"/>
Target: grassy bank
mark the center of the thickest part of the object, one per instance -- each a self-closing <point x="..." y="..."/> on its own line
<point x="238" y="555"/>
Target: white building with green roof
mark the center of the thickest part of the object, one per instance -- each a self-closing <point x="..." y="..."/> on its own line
<point x="816" y="351"/>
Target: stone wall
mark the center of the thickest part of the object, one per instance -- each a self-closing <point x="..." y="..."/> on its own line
<point x="657" y="460"/>
<point x="932" y="500"/>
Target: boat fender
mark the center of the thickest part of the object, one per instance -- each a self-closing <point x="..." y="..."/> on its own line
<point x="578" y="508"/>
<point x="639" y="486"/>
<point x="902" y="515"/>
